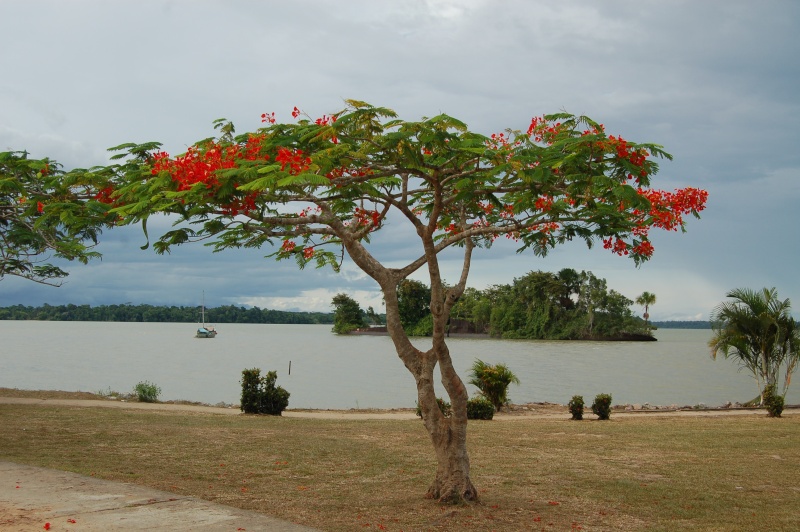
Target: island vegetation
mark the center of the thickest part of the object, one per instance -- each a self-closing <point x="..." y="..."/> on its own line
<point x="568" y="305"/>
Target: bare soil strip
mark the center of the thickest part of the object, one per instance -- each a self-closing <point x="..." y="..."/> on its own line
<point x="515" y="412"/>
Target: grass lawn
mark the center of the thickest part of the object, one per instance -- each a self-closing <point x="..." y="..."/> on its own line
<point x="629" y="473"/>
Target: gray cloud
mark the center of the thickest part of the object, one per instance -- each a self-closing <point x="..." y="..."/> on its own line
<point x="715" y="82"/>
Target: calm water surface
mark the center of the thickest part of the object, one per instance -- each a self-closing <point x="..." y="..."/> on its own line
<point x="329" y="371"/>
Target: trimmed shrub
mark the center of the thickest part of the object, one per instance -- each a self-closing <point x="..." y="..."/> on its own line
<point x="444" y="406"/>
<point x="260" y="395"/>
<point x="480" y="408"/>
<point x="773" y="401"/>
<point x="147" y="392"/>
<point x="602" y="406"/>
<point x="576" y="407"/>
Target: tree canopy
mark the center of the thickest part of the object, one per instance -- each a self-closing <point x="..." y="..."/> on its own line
<point x="318" y="190"/>
<point x="45" y="213"/>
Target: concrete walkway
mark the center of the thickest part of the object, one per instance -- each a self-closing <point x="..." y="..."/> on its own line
<point x="31" y="497"/>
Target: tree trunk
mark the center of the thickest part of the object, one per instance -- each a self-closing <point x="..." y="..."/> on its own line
<point x="449" y="438"/>
<point x="448" y="435"/>
<point x="452" y="483"/>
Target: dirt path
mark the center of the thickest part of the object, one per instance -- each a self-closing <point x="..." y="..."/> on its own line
<point x="518" y="412"/>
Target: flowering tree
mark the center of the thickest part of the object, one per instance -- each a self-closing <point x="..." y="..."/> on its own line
<point x="322" y="189"/>
<point x="44" y="213"/>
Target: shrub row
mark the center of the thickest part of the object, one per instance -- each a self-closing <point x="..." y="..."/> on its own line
<point x="477" y="408"/>
<point x="601" y="406"/>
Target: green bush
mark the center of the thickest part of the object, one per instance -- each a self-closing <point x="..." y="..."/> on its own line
<point x="576" y="407"/>
<point x="423" y="327"/>
<point x="147" y="392"/>
<point x="480" y="408"/>
<point x="773" y="401"/>
<point x="260" y="395"/>
<point x="444" y="406"/>
<point x="492" y="381"/>
<point x="602" y="406"/>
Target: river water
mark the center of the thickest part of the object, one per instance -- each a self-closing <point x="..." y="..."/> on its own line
<point x="342" y="372"/>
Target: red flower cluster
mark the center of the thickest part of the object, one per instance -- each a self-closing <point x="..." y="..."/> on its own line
<point x="324" y="121"/>
<point x="668" y="208"/>
<point x="104" y="195"/>
<point x="621" y="248"/>
<point x="365" y="217"/>
<point x="345" y="171"/>
<point x="487" y="207"/>
<point x="546" y="228"/>
<point x="666" y="212"/>
<point x="241" y="205"/>
<point x="452" y="229"/>
<point x="498" y="140"/>
<point x="617" y="246"/>
<point x="309" y="210"/>
<point x="543" y="131"/>
<point x="294" y="159"/>
<point x="644" y="248"/>
<point x="195" y="166"/>
<point x="200" y="163"/>
<point x="288" y="247"/>
<point x="507" y="212"/>
<point x="544" y="203"/>
<point x="636" y="157"/>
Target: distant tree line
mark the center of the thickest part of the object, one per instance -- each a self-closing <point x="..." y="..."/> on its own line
<point x="151" y="313"/>
<point x="682" y="324"/>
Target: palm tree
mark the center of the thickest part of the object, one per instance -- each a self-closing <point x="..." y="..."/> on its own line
<point x="646" y="299"/>
<point x="757" y="329"/>
<point x="492" y="381"/>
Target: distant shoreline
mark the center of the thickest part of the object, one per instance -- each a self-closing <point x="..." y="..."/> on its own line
<point x="381" y="331"/>
<point x="143" y="313"/>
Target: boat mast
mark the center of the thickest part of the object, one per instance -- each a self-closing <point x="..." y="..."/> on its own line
<point x="203" y="310"/>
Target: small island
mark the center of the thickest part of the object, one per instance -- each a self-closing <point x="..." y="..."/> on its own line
<point x="568" y="305"/>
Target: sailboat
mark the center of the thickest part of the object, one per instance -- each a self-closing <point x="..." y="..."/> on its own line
<point x="205" y="331"/>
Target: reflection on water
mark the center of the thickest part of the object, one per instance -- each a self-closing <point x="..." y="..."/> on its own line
<point x="329" y="371"/>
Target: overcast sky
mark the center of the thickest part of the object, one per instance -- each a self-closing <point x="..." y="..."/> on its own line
<point x="714" y="81"/>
